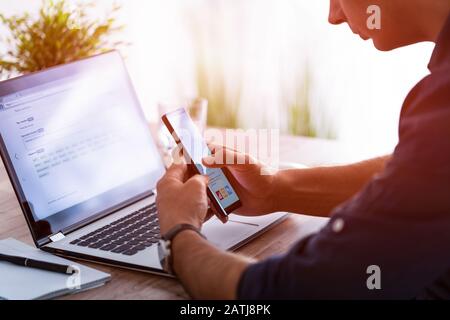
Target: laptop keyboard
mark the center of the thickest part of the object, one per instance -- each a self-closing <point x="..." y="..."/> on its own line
<point x="128" y="235"/>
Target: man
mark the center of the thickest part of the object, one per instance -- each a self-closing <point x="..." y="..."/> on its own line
<point x="391" y="213"/>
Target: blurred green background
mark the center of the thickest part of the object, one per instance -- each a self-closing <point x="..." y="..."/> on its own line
<point x="260" y="64"/>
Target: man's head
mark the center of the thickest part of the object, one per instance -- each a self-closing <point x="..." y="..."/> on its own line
<point x="392" y="23"/>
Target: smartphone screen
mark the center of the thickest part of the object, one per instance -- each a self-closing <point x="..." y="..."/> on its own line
<point x="194" y="147"/>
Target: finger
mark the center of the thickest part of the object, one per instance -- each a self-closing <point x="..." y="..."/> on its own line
<point x="198" y="182"/>
<point x="212" y="211"/>
<point x="177" y="155"/>
<point x="213" y="147"/>
<point x="209" y="214"/>
<point x="222" y="218"/>
<point x="174" y="177"/>
<point x="227" y="157"/>
<point x="176" y="172"/>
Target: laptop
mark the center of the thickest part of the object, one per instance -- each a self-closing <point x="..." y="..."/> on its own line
<point x="84" y="166"/>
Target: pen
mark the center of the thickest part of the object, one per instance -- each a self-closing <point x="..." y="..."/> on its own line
<point x="43" y="265"/>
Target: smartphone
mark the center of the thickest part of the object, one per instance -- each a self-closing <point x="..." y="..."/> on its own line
<point x="186" y="134"/>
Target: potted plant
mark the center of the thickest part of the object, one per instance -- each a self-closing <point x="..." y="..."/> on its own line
<point x="59" y="34"/>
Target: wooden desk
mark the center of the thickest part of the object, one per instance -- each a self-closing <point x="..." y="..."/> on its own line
<point x="127" y="284"/>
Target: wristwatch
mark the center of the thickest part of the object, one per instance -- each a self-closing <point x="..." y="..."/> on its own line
<point x="165" y="245"/>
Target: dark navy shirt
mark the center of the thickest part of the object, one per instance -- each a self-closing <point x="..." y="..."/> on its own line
<point x="399" y="222"/>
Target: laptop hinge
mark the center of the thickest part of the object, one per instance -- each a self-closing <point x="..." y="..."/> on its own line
<point x="57" y="236"/>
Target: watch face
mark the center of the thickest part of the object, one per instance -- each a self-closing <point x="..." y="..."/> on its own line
<point x="161" y="253"/>
<point x="164" y="253"/>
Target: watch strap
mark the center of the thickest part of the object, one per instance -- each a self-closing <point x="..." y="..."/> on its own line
<point x="170" y="235"/>
<point x="168" y="238"/>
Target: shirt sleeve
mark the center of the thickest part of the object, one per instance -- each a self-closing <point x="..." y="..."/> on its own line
<point x="333" y="264"/>
<point x="399" y="222"/>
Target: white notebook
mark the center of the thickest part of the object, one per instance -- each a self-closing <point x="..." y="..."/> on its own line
<point x="23" y="283"/>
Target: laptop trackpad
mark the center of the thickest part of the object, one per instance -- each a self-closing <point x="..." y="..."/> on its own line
<point x="230" y="234"/>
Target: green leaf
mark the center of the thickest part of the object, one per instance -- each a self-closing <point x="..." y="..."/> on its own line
<point x="58" y="34"/>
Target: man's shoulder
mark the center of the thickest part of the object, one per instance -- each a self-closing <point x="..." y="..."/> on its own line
<point x="431" y="94"/>
<point x="424" y="129"/>
<point x="416" y="180"/>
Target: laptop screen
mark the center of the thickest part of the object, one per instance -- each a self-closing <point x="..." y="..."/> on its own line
<point x="76" y="141"/>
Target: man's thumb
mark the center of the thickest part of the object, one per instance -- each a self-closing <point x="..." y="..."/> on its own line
<point x="199" y="179"/>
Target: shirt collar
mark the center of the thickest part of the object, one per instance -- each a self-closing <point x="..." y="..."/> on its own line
<point x="441" y="53"/>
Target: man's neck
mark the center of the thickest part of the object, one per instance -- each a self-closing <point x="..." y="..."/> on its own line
<point x="430" y="19"/>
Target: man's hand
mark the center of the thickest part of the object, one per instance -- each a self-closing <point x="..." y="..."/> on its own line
<point x="254" y="189"/>
<point x="181" y="199"/>
<point x="205" y="271"/>
<point x="314" y="191"/>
